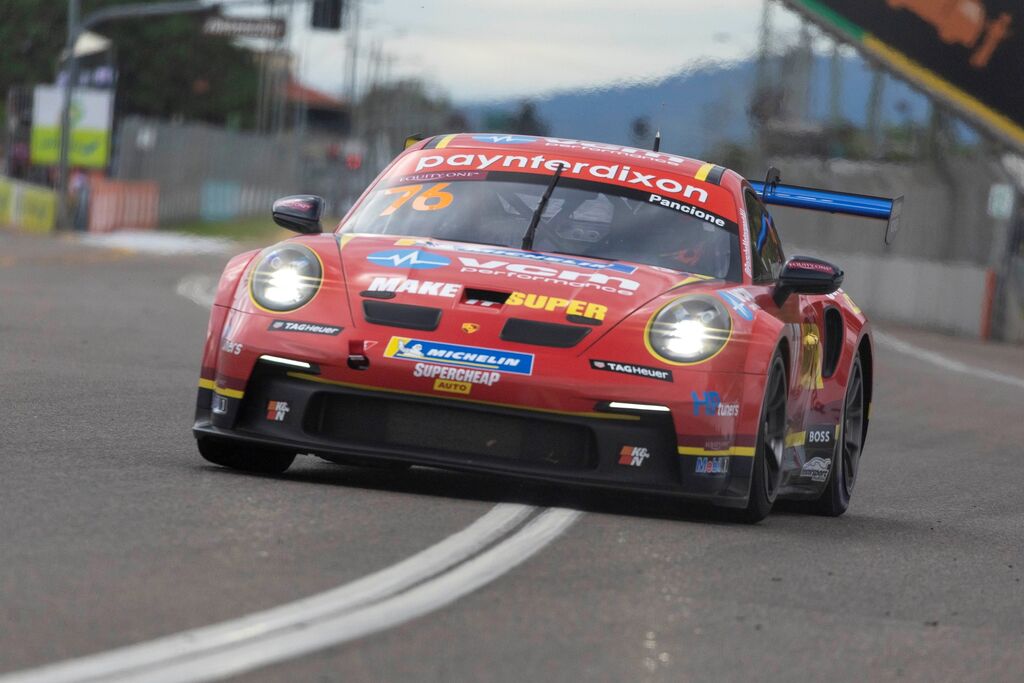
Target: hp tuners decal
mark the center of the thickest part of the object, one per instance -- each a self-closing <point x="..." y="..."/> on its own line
<point x="409" y="258"/>
<point x="420" y="350"/>
<point x="712" y="404"/>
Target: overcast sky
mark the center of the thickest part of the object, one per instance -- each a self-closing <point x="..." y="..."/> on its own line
<point x="479" y="50"/>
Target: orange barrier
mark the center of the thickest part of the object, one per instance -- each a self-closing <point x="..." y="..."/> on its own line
<point x="120" y="204"/>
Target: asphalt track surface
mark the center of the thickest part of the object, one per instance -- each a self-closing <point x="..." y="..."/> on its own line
<point x="113" y="531"/>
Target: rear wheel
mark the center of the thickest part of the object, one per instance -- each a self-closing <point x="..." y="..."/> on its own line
<point x="846" y="455"/>
<point x="244" y="457"/>
<point x="771" y="441"/>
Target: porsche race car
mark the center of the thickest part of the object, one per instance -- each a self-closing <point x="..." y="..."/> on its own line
<point x="549" y="309"/>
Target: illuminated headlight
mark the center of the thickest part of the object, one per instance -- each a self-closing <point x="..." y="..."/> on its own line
<point x="689" y="330"/>
<point x="286" y="278"/>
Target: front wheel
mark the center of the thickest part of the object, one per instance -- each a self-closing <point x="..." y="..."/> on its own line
<point x="771" y="440"/>
<point x="244" y="457"/>
<point x="846" y="456"/>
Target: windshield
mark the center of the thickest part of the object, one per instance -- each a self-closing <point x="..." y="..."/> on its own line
<point x="582" y="218"/>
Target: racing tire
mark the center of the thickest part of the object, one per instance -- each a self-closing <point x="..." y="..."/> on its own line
<point x="244" y="457"/>
<point x="842" y="476"/>
<point x="766" y="474"/>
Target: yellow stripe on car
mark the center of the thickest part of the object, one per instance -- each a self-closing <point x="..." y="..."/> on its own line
<point x="703" y="171"/>
<point x="445" y="141"/>
<point x="742" y="451"/>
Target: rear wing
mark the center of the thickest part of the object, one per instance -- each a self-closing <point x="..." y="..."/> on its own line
<point x="865" y="206"/>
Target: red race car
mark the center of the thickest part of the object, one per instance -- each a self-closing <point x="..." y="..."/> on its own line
<point x="551" y="309"/>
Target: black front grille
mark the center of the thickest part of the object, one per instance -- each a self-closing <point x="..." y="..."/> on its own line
<point x="543" y="334"/>
<point x="402" y="315"/>
<point x="410" y="425"/>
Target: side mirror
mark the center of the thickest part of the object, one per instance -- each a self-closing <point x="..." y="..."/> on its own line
<point x="300" y="212"/>
<point x="807" y="275"/>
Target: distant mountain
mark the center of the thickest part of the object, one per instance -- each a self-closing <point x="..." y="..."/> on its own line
<point x="701" y="107"/>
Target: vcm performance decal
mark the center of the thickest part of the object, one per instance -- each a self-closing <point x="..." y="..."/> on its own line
<point x="420" y="350"/>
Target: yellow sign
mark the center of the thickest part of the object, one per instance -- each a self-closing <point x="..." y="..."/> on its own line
<point x="6" y="203"/>
<point x="89" y="143"/>
<point x="27" y="207"/>
<point x="452" y="387"/>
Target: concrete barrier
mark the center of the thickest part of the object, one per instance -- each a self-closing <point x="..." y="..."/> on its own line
<point x="947" y="297"/>
<point x="119" y="205"/>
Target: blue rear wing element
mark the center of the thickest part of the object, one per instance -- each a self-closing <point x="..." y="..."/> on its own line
<point x="861" y="205"/>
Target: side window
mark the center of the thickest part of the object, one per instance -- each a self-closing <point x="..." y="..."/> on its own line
<point x="771" y="249"/>
<point x="757" y="221"/>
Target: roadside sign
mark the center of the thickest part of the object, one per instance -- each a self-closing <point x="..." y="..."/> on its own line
<point x="966" y="53"/>
<point x="243" y="27"/>
<point x="1000" y="201"/>
<point x="91" y="112"/>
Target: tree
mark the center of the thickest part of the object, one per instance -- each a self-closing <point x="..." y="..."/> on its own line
<point x="166" y="66"/>
<point x="524" y="121"/>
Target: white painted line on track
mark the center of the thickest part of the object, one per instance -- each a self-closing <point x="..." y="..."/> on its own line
<point x="219" y="650"/>
<point x="423" y="599"/>
<point x="946" y="362"/>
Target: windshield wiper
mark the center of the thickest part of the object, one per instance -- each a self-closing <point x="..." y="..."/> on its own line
<point x="532" y="230"/>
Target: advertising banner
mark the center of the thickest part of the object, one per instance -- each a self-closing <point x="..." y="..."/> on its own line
<point x="966" y="53"/>
<point x="27" y="207"/>
<point x="91" y="113"/>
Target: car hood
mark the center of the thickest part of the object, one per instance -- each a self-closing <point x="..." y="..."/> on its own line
<point x="479" y="287"/>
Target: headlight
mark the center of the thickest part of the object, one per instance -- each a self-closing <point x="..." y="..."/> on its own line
<point x="689" y="330"/>
<point x="286" y="278"/>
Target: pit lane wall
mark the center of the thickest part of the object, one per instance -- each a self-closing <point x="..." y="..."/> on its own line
<point x="947" y="268"/>
<point x="27" y="207"/>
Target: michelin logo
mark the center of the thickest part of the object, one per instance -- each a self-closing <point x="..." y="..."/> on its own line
<point x="421" y="350"/>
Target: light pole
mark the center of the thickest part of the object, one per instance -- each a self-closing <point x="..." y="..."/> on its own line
<point x="70" y="76"/>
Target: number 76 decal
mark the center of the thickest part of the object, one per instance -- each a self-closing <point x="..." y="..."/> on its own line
<point x="432" y="200"/>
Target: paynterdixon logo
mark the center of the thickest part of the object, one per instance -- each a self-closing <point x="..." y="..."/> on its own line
<point x="409" y="258"/>
<point x="420" y="350"/>
<point x="505" y="139"/>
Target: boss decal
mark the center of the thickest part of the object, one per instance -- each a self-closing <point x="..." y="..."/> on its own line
<point x="821" y="436"/>
<point x="631" y="369"/>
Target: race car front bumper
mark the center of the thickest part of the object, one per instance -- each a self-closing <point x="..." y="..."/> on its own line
<point x="301" y="412"/>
